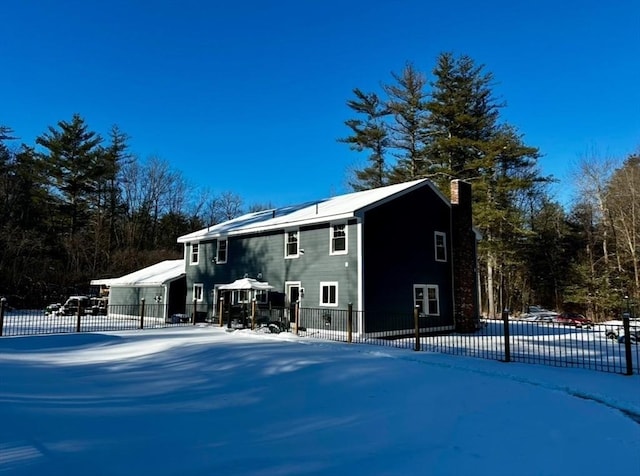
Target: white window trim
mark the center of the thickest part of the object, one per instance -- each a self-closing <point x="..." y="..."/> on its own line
<point x="329" y="283"/>
<point x="432" y="286"/>
<point x="236" y="296"/>
<point x="436" y="234"/>
<point x="346" y="239"/>
<point x="287" y="289"/>
<point x="199" y="286"/>
<point x="286" y="236"/>
<point x="218" y="261"/>
<point x="425" y="301"/>
<point x="191" y="253"/>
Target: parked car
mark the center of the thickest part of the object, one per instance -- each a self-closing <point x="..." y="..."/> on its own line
<point x="573" y="319"/>
<point x="75" y="304"/>
<point x="616" y="332"/>
<point x="98" y="306"/>
<point x="634" y="336"/>
<point x="537" y="313"/>
<point x="52" y="309"/>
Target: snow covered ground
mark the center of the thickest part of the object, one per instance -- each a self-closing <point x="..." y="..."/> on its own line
<point x="204" y="401"/>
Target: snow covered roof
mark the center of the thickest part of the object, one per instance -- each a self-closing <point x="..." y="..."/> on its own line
<point x="334" y="208"/>
<point x="154" y="275"/>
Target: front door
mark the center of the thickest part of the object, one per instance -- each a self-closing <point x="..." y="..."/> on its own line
<point x="292" y="290"/>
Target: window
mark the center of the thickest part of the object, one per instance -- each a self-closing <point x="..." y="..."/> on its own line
<point x="221" y="253"/>
<point x="198" y="292"/>
<point x="433" y="301"/>
<point x="441" y="246"/>
<point x="329" y="294"/>
<point x="426" y="298"/>
<point x="291" y="244"/>
<point x="195" y="252"/>
<point x="339" y="239"/>
<point x="240" y="296"/>
<point x="262" y="297"/>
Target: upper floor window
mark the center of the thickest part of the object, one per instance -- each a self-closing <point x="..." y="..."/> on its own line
<point x="291" y="244"/>
<point x="441" y="246"/>
<point x="221" y="252"/>
<point x="198" y="292"/>
<point x="339" y="239"/>
<point x="195" y="253"/>
<point x="329" y="294"/>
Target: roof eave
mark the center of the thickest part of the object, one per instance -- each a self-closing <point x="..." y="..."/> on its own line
<point x="360" y="212"/>
<point x="263" y="228"/>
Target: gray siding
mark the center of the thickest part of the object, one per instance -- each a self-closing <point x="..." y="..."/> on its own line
<point x="399" y="251"/>
<point x="127" y="300"/>
<point x="264" y="253"/>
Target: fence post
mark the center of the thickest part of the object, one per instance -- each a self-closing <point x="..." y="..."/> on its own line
<point x="627" y="344"/>
<point x="194" y="311"/>
<point x="507" y="339"/>
<point x="3" y="302"/>
<point x="142" y="313"/>
<point x="296" y="315"/>
<point x="78" y="317"/>
<point x="253" y="313"/>
<point x="416" y="321"/>
<point x="350" y="323"/>
<point x="221" y="315"/>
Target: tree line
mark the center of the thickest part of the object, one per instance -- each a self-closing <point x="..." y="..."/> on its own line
<point x="76" y="206"/>
<point x="532" y="250"/>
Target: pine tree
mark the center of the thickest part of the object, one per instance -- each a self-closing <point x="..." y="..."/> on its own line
<point x="115" y="156"/>
<point x="27" y="249"/>
<point x="6" y="158"/>
<point x="462" y="119"/>
<point x="105" y="203"/>
<point x="72" y="156"/>
<point x="371" y="134"/>
<point x="73" y="161"/>
<point x="466" y="141"/>
<point x="407" y="103"/>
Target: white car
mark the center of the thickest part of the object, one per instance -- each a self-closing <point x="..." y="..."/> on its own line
<point x="73" y="305"/>
<point x="616" y="331"/>
<point x="537" y="313"/>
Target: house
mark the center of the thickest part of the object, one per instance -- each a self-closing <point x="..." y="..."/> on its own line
<point x="385" y="252"/>
<point x="162" y="286"/>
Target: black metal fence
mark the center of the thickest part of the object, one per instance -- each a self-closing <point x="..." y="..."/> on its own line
<point x="607" y="347"/>
<point x="113" y="318"/>
<point x="136" y="316"/>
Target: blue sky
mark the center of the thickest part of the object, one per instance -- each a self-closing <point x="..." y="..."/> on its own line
<point x="250" y="96"/>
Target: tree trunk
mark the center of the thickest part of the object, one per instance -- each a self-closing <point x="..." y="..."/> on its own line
<point x="491" y="312"/>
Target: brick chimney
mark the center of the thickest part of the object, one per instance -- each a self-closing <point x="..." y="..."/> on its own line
<point x="464" y="253"/>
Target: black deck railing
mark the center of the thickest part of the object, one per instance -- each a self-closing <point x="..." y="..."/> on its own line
<point x="603" y="347"/>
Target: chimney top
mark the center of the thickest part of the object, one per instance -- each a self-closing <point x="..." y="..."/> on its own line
<point x="460" y="192"/>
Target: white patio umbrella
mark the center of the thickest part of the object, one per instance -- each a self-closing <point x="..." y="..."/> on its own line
<point x="246" y="284"/>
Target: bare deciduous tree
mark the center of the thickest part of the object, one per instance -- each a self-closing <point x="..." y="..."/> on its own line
<point x="623" y="204"/>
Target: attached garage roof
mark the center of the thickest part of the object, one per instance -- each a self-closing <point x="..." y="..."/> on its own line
<point x="154" y="275"/>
